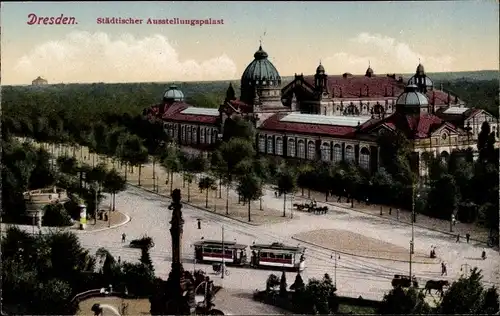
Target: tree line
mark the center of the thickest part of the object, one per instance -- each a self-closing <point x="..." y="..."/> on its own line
<point x="318" y="297"/>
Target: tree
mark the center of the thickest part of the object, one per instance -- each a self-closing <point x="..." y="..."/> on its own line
<point x="286" y="184"/>
<point x="114" y="183"/>
<point x="298" y="284"/>
<point x="171" y="163"/>
<point x="42" y="175"/>
<point x="490" y="301"/>
<point x="146" y="258"/>
<point x="97" y="175"/>
<point x="56" y="215"/>
<point x="404" y="301"/>
<point x="249" y="188"/>
<point x="238" y="127"/>
<point x="464" y="296"/>
<point x="319" y="296"/>
<point x="443" y="198"/>
<point x="261" y="170"/>
<point x="272" y="282"/>
<point x="283" y="285"/>
<point x="231" y="154"/>
<point x="207" y="184"/>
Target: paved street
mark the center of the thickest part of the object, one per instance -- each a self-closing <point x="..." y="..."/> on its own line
<point x="356" y="276"/>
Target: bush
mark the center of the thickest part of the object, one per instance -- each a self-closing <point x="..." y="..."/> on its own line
<point x="56" y="215"/>
<point x="143" y="242"/>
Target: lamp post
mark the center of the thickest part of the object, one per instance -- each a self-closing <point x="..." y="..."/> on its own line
<point x="291" y="207"/>
<point x="223" y="255"/>
<point x="334" y="256"/>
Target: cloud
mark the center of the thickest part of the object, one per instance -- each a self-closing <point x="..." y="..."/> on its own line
<point x="387" y="55"/>
<point x="96" y="57"/>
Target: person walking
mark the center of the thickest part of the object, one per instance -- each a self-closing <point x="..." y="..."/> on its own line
<point x="199" y="223"/>
<point x="458" y="237"/>
<point x="443" y="269"/>
<point x="124" y="237"/>
<point x="467" y="237"/>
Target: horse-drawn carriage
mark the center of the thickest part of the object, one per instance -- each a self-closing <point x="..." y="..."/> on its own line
<point x="403" y="281"/>
<point x="311" y="208"/>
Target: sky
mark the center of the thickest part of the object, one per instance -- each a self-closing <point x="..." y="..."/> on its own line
<point x="344" y="36"/>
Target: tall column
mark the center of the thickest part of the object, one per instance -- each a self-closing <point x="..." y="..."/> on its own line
<point x="176" y="231"/>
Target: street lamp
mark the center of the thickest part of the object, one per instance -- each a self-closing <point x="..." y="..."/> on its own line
<point x="334" y="256"/>
<point x="223" y="255"/>
<point x="291" y="207"/>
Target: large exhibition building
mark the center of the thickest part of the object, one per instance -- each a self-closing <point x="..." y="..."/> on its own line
<point x="331" y="118"/>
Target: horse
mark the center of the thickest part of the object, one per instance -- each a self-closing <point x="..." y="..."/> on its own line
<point x="435" y="285"/>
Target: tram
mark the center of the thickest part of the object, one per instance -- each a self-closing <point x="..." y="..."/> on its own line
<point x="210" y="251"/>
<point x="278" y="255"/>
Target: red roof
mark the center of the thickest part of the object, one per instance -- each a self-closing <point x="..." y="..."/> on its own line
<point x="173" y="113"/>
<point x="373" y="87"/>
<point x="413" y="126"/>
<point x="273" y="123"/>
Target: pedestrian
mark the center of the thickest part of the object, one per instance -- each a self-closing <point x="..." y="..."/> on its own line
<point x="275" y="194"/>
<point x="119" y="259"/>
<point x="467" y="237"/>
<point x="124" y="237"/>
<point x="397" y="214"/>
<point x="339" y="199"/>
<point x="458" y="237"/>
<point x="390" y="210"/>
<point x="443" y="269"/>
<point x="199" y="223"/>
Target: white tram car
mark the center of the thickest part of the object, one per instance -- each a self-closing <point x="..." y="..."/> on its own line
<point x="278" y="255"/>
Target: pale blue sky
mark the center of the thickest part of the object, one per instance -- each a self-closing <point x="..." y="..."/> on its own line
<point x="447" y="36"/>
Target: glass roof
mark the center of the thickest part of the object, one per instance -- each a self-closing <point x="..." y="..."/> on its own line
<point x="201" y="111"/>
<point x="325" y="119"/>
<point x="455" y="110"/>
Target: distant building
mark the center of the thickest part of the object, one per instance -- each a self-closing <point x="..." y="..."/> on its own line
<point x="39" y="81"/>
<point x="331" y="118"/>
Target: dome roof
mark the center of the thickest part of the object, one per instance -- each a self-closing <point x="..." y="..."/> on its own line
<point x="174" y="94"/>
<point x="411" y="97"/>
<point x="369" y="72"/>
<point x="260" y="69"/>
<point x="420" y="69"/>
<point x="320" y="69"/>
<point x="421" y="80"/>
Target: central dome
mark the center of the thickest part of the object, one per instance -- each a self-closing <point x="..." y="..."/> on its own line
<point x="412" y="97"/>
<point x="260" y="72"/>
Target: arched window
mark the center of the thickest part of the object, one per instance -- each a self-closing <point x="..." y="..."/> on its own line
<point x="326" y="152"/>
<point x="291" y="147"/>
<point x="364" y="158"/>
<point x="337" y="153"/>
<point x="270" y="145"/>
<point x="195" y="134"/>
<point x="188" y="134"/>
<point x="311" y="150"/>
<point x="209" y="135"/>
<point x="349" y="153"/>
<point x="214" y="136"/>
<point x="262" y="144"/>
<point x="183" y="133"/>
<point x="279" y="146"/>
<point x="202" y="135"/>
<point x="301" y="149"/>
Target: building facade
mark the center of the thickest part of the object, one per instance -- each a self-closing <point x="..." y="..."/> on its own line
<point x="330" y="118"/>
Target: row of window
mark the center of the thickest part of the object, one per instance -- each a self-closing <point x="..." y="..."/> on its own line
<point x="298" y="149"/>
<point x="287" y="256"/>
<point x="189" y="133"/>
<point x="207" y="251"/>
